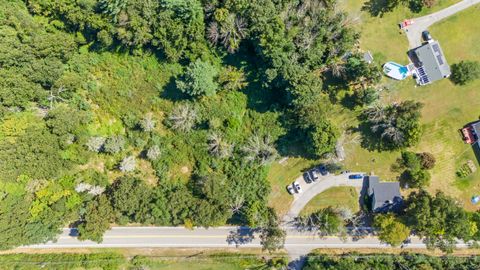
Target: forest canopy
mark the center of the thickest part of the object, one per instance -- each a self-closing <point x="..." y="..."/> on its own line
<point x="162" y="112"/>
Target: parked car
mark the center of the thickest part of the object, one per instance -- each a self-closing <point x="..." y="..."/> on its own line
<point x="345" y="172"/>
<point x="426" y="36"/>
<point x="355" y="176"/>
<point x="314" y="175"/>
<point x="297" y="187"/>
<point x="405" y="23"/>
<point x="290" y="189"/>
<point x="307" y="178"/>
<point x="323" y="170"/>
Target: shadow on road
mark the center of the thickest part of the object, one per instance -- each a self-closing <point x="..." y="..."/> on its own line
<point x="241" y="236"/>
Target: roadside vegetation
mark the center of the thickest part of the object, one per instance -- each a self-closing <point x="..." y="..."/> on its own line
<point x="387" y="261"/>
<point x="114" y="261"/>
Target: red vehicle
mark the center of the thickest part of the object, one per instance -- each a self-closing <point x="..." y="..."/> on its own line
<point x="405" y="23"/>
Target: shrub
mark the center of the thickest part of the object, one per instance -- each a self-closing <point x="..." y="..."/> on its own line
<point x="128" y="164"/>
<point x="95" y="144"/>
<point x="114" y="144"/>
<point x="182" y="118"/>
<point x="147" y="123"/>
<point x="199" y="79"/>
<point x="427" y="160"/>
<point x="465" y="72"/>
<point x="153" y="152"/>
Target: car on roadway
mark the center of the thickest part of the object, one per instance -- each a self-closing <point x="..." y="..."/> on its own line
<point x="290" y="189"/>
<point x="323" y="170"/>
<point x="297" y="187"/>
<point x="355" y="176"/>
<point x="307" y="178"/>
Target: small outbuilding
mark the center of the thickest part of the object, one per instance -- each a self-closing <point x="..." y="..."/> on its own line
<point x="367" y="57"/>
<point x="384" y="196"/>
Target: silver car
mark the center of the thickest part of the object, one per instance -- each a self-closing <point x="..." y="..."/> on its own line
<point x="297" y="187"/>
<point x="290" y="189"/>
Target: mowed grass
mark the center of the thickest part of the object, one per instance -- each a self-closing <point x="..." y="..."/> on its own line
<point x="381" y="35"/>
<point x="447" y="107"/>
<point x="336" y="197"/>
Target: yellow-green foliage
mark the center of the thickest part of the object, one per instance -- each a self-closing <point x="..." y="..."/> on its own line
<point x="15" y="125"/>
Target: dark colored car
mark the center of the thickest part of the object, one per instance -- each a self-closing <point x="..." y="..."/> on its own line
<point x="426" y="36"/>
<point x="306" y="177"/>
<point x="323" y="170"/>
<point x="355" y="176"/>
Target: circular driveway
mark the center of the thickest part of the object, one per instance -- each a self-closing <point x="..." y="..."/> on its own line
<point x="313" y="189"/>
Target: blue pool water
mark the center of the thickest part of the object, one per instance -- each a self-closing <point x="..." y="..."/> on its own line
<point x="395" y="70"/>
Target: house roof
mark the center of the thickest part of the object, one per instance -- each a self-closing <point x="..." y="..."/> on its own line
<point x="367" y="56"/>
<point x="383" y="191"/>
<point x="476" y="128"/>
<point x="430" y="56"/>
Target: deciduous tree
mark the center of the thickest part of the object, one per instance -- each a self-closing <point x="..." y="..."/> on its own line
<point x="391" y="230"/>
<point x="98" y="216"/>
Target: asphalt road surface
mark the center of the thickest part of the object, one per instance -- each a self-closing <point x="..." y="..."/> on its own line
<point x="421" y="24"/>
<point x="220" y="237"/>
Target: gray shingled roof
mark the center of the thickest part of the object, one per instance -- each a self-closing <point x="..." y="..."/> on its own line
<point x="430" y="56"/>
<point x="383" y="191"/>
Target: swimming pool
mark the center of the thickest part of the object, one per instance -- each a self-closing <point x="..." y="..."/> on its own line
<point x="395" y="71"/>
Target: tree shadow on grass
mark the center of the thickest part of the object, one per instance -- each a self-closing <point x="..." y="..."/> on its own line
<point x="369" y="139"/>
<point x="378" y="8"/>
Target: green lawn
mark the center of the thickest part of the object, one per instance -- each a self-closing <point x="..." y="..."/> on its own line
<point x="447" y="106"/>
<point x="335" y="197"/>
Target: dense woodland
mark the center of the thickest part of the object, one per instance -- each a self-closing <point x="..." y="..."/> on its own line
<point x="170" y="112"/>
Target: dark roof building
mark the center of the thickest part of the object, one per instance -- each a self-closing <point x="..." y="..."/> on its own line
<point x="385" y="196"/>
<point x="430" y="63"/>
<point x="471" y="132"/>
<point x="471" y="135"/>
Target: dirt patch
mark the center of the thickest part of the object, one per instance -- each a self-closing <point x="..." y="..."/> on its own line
<point x="184" y="170"/>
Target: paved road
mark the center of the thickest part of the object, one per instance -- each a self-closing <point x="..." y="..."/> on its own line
<point x="313" y="189"/>
<point x="421" y="24"/>
<point x="150" y="237"/>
